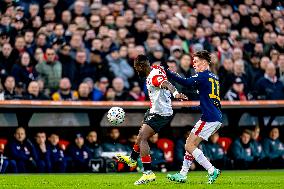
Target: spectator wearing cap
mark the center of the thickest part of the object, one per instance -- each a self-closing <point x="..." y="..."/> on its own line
<point x="24" y="71"/>
<point x="237" y="91"/>
<point x="269" y="87"/>
<point x="79" y="154"/>
<point x="7" y="60"/>
<point x="84" y="92"/>
<point x="135" y="93"/>
<point x="120" y="67"/>
<point x="100" y="89"/>
<point x="101" y="65"/>
<point x="65" y="92"/>
<point x="50" y="70"/>
<point x="33" y="92"/>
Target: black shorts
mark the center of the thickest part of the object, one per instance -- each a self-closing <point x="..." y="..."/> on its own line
<point x="156" y="121"/>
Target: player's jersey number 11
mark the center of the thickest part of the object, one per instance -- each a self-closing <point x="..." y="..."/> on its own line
<point x="215" y="89"/>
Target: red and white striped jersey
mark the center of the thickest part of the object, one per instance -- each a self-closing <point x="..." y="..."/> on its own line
<point x="160" y="99"/>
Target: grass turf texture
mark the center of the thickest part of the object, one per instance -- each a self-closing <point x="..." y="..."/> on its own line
<point x="228" y="179"/>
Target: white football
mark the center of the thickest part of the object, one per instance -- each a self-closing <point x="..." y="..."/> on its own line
<point x="116" y="116"/>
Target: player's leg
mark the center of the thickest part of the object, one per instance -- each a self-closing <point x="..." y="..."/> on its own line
<point x="182" y="175"/>
<point x="144" y="134"/>
<point x="131" y="160"/>
<point x="202" y="131"/>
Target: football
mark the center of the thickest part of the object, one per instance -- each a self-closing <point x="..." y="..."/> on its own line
<point x="116" y="116"/>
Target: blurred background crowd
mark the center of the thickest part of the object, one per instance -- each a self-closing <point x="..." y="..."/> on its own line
<point x="84" y="49"/>
<point x="42" y="152"/>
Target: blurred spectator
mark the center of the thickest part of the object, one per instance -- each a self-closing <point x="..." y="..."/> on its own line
<point x="269" y="87"/>
<point x="83" y="69"/>
<point x="57" y="155"/>
<point x="39" y="55"/>
<point x="68" y="64"/>
<point x="101" y="65"/>
<point x="50" y="70"/>
<point x="93" y="145"/>
<point x="119" y="66"/>
<point x="24" y="71"/>
<point x="100" y="89"/>
<point x="22" y="153"/>
<point x="33" y="92"/>
<point x="225" y="70"/>
<point x="255" y="140"/>
<point x="136" y="94"/>
<point x="43" y="153"/>
<point x="243" y="151"/>
<point x="274" y="149"/>
<point x="84" y="92"/>
<point x="9" y="88"/>
<point x="65" y="92"/>
<point x="236" y="92"/>
<point x="216" y="153"/>
<point x="117" y="93"/>
<point x="157" y="154"/>
<point x="280" y="70"/>
<point x="113" y="144"/>
<point x="7" y="60"/>
<point x="80" y="154"/>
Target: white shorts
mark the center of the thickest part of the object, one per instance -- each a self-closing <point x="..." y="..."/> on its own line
<point x="205" y="129"/>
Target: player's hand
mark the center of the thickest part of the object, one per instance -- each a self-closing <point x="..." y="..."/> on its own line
<point x="180" y="96"/>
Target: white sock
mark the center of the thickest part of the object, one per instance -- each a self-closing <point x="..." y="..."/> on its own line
<point x="187" y="161"/>
<point x="202" y="160"/>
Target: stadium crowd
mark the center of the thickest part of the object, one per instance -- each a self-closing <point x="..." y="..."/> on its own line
<point x="84" y="49"/>
<point x="46" y="154"/>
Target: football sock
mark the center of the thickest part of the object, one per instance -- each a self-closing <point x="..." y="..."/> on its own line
<point x="146" y="160"/>
<point x="187" y="161"/>
<point x="202" y="160"/>
<point x="135" y="152"/>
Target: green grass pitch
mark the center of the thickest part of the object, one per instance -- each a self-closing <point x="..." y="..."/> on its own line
<point x="197" y="179"/>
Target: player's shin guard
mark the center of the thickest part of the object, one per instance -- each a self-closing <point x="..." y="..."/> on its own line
<point x="146" y="160"/>
<point x="135" y="152"/>
<point x="202" y="160"/>
<point x="187" y="161"/>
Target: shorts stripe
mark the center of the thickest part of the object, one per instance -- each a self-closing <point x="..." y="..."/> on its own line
<point x="200" y="128"/>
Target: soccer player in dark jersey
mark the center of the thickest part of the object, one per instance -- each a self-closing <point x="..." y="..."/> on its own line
<point x="208" y="86"/>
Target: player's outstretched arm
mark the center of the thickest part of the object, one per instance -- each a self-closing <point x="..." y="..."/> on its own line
<point x="167" y="85"/>
<point x="183" y="81"/>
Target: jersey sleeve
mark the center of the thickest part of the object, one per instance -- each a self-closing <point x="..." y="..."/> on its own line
<point x="183" y="81"/>
<point x="158" y="77"/>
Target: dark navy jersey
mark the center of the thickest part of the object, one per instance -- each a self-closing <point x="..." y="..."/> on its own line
<point x="208" y="86"/>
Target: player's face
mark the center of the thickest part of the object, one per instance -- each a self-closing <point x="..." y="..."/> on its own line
<point x="199" y="65"/>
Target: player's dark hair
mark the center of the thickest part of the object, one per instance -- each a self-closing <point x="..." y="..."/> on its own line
<point x="205" y="55"/>
<point x="141" y="59"/>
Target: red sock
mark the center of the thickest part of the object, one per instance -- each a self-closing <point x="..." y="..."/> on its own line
<point x="146" y="160"/>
